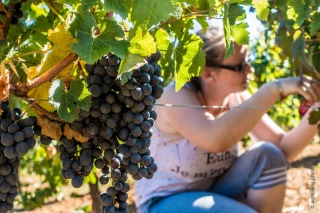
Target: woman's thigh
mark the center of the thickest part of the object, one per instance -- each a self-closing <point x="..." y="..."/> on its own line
<point x="198" y="202"/>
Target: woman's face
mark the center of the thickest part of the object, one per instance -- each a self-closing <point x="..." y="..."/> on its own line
<point x="228" y="78"/>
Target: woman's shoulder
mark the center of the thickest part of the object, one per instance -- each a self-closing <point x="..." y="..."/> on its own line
<point x="184" y="95"/>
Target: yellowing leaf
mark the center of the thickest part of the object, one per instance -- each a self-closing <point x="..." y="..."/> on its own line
<point x="31" y="72"/>
<point x="4" y="83"/>
<point x="62" y="40"/>
<point x="42" y="94"/>
<point x="13" y="68"/>
<point x="142" y="43"/>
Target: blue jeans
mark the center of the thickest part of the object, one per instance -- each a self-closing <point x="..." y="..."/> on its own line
<point x="261" y="166"/>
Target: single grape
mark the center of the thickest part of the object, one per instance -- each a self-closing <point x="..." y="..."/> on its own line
<point x="10" y="152"/>
<point x="5" y="169"/>
<point x="104" y="179"/>
<point x="90" y="68"/>
<point x="77" y="182"/>
<point x="7" y="139"/>
<point x="145" y="78"/>
<point x="137" y="119"/>
<point x="113" y="60"/>
<point x="5" y="124"/>
<point x="14" y="20"/>
<point x="85" y="159"/>
<point x="111" y="191"/>
<point x="13" y="128"/>
<point x="19" y="136"/>
<point x="112" y="71"/>
<point x="99" y="70"/>
<point x="95" y="90"/>
<point x="95" y="79"/>
<point x="136" y="131"/>
<point x="135" y="158"/>
<point x="28" y="132"/>
<point x="22" y="148"/>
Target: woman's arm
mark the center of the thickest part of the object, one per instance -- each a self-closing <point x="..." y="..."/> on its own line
<point x="224" y="132"/>
<point x="292" y="142"/>
<point x="215" y="135"/>
<point x="295" y="140"/>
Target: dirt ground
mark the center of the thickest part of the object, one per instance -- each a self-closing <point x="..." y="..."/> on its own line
<point x="298" y="199"/>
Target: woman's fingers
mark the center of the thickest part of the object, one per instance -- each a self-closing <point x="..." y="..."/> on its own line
<point x="310" y="89"/>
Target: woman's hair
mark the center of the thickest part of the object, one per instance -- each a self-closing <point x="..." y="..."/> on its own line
<point x="213" y="47"/>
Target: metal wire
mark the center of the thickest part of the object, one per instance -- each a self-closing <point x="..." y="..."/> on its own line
<point x="232" y="107"/>
<point x="203" y="107"/>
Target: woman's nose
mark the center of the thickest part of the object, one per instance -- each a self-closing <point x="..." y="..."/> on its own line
<point x="249" y="69"/>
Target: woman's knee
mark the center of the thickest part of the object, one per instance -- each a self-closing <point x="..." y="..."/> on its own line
<point x="269" y="149"/>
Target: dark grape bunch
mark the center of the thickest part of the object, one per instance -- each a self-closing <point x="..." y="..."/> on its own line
<point x="120" y="122"/>
<point x="16" y="15"/>
<point x="16" y="136"/>
<point x="77" y="159"/>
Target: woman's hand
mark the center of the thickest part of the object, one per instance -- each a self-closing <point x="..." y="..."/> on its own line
<point x="309" y="88"/>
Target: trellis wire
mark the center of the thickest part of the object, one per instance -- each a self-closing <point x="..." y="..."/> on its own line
<point x="204" y="107"/>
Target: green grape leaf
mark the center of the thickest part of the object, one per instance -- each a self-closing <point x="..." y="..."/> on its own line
<point x="206" y="4"/>
<point x="234" y="27"/>
<point x="227" y="33"/>
<point x="87" y="4"/>
<point x="240" y="34"/>
<point x="284" y="40"/>
<point x="298" y="44"/>
<point x="189" y="58"/>
<point x="236" y="13"/>
<point x="244" y="2"/>
<point x="190" y="2"/>
<point x="122" y="7"/>
<point x="69" y="2"/>
<point x="125" y="76"/>
<point x="314" y="117"/>
<point x="146" y="13"/>
<point x="166" y="48"/>
<point x="90" y="47"/>
<point x="129" y="63"/>
<point x="316" y="61"/>
<point x="142" y="43"/>
<point x="315" y="24"/>
<point x="298" y="11"/>
<point x="262" y="8"/>
<point x="316" y="3"/>
<point x="203" y="23"/>
<point x="67" y="101"/>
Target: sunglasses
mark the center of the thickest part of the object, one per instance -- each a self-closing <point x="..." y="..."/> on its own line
<point x="237" y="68"/>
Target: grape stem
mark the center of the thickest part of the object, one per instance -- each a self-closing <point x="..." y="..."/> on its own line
<point x="8" y="20"/>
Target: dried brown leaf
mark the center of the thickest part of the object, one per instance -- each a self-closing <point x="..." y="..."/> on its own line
<point x="49" y="128"/>
<point x="70" y="133"/>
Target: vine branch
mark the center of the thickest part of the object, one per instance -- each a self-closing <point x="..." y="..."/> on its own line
<point x="51" y="73"/>
<point x="8" y="20"/>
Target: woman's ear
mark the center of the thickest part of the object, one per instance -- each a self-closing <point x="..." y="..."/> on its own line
<point x="207" y="74"/>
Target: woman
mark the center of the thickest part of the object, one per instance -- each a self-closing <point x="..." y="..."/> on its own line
<point x="199" y="169"/>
